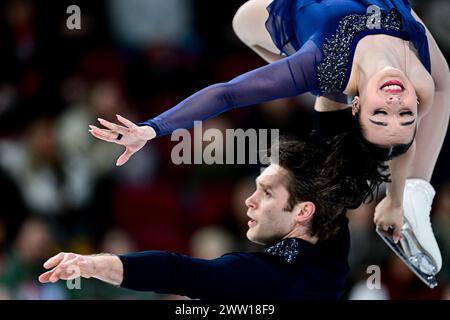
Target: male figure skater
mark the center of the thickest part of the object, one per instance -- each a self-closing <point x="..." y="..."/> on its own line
<point x="297" y="212"/>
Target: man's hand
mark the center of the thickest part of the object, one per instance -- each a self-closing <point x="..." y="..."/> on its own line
<point x="64" y="266"/>
<point x="389" y="215"/>
<point x="130" y="135"/>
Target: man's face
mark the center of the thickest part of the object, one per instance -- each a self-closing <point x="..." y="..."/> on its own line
<point x="268" y="221"/>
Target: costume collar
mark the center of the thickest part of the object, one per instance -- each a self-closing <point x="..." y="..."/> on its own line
<point x="287" y="249"/>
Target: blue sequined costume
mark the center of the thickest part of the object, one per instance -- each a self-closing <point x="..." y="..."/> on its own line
<point x="319" y="38"/>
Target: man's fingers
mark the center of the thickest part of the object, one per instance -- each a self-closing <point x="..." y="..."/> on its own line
<point x="70" y="262"/>
<point x="45" y="277"/>
<point x="113" y="126"/>
<point x="65" y="265"/>
<point x="126" y="122"/>
<point x="55" y="276"/>
<point x="53" y="261"/>
<point x="65" y="273"/>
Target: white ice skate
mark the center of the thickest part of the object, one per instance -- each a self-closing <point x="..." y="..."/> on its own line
<point x="417" y="248"/>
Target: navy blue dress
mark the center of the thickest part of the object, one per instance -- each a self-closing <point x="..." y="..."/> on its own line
<point x="319" y="38"/>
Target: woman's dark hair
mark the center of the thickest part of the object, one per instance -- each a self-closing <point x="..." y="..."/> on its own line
<point x="378" y="152"/>
<point x="334" y="175"/>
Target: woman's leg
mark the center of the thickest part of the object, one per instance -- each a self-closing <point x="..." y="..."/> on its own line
<point x="418" y="193"/>
<point x="433" y="127"/>
<point x="249" y="25"/>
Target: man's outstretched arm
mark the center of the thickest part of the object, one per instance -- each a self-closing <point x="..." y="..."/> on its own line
<point x="66" y="266"/>
<point x="163" y="272"/>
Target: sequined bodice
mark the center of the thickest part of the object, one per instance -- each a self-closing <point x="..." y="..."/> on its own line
<point x="333" y="71"/>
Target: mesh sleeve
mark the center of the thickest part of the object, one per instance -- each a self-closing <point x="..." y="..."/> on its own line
<point x="288" y="77"/>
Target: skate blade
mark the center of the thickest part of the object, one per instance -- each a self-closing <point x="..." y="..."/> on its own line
<point x="412" y="255"/>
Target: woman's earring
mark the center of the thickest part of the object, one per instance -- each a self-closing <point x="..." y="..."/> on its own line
<point x="355" y="105"/>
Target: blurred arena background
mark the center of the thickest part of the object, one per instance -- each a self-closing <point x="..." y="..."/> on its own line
<point x="60" y="189"/>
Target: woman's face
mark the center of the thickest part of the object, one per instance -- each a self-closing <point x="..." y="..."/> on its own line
<point x="387" y="106"/>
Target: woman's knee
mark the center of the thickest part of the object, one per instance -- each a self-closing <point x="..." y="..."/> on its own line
<point x="249" y="22"/>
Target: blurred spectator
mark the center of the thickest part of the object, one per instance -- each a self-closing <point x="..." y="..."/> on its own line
<point x="18" y="17"/>
<point x="441" y="224"/>
<point x="33" y="245"/>
<point x="54" y="181"/>
<point x="211" y="242"/>
<point x="8" y="98"/>
<point x="446" y="295"/>
<point x="78" y="149"/>
<point x="435" y="14"/>
<point x="142" y="23"/>
<point x="13" y="209"/>
<point x="117" y="241"/>
<point x="36" y="169"/>
<point x="360" y="291"/>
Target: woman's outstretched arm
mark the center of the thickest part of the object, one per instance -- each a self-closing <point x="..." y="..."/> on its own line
<point x="288" y="77"/>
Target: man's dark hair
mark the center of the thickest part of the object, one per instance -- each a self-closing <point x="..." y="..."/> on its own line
<point x="381" y="153"/>
<point x="327" y="175"/>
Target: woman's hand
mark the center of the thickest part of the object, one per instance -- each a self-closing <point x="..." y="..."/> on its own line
<point x="131" y="136"/>
<point x="388" y="215"/>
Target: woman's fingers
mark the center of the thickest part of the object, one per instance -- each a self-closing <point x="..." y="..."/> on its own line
<point x="396" y="230"/>
<point x="397" y="234"/>
<point x="130" y="136"/>
<point x="99" y="136"/>
<point x="113" y="126"/>
<point x="124" y="157"/>
<point x="103" y="134"/>
<point x="126" y="122"/>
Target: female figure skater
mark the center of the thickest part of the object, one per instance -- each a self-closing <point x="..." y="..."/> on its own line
<point x="376" y="51"/>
